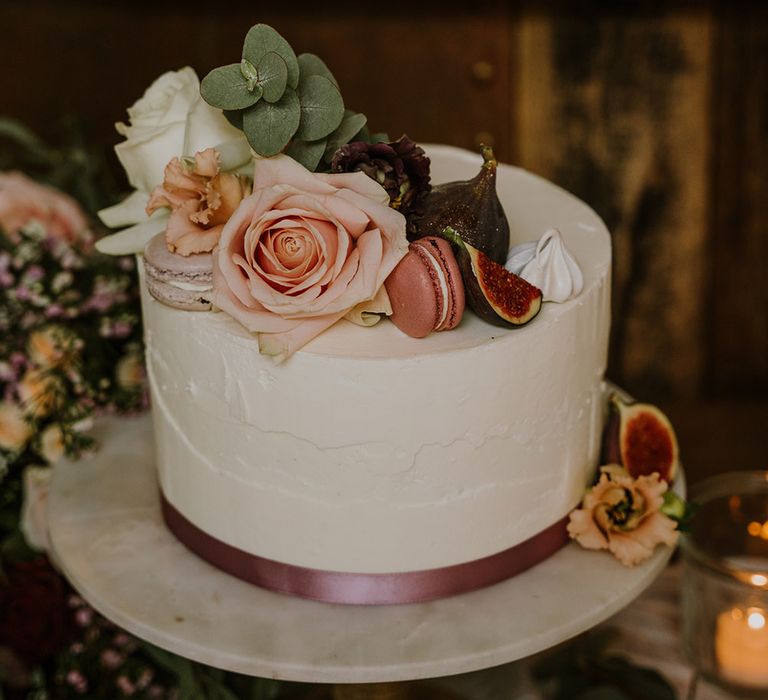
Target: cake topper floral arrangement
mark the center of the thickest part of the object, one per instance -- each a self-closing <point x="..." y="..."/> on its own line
<point x="306" y="217"/>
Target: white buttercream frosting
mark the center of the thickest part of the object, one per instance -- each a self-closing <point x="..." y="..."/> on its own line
<point x="370" y="451"/>
<point x="548" y="265"/>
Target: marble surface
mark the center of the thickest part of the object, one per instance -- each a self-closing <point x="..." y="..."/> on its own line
<point x="110" y="541"/>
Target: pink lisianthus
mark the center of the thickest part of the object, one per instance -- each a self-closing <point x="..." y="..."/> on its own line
<point x="23" y="201"/>
<point x="623" y="515"/>
<point x="201" y="198"/>
<point x="303" y="250"/>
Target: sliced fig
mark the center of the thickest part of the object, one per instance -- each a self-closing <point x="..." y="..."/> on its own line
<point x="469" y="207"/>
<point x="492" y="292"/>
<point x="640" y="438"/>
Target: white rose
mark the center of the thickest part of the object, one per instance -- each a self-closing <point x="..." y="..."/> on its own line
<point x="34" y="509"/>
<point x="171" y="120"/>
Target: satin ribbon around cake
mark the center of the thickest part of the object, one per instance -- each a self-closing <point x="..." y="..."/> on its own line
<point x="365" y="588"/>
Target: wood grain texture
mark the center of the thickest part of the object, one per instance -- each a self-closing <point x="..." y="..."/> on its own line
<point x="614" y="108"/>
<point x="437" y="71"/>
<point x="738" y="274"/>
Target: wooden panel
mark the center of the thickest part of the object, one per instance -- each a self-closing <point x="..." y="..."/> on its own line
<point x="436" y="70"/>
<point x="614" y="108"/>
<point x="738" y="331"/>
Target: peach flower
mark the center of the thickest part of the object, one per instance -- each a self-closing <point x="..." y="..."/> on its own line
<point x="23" y="201"/>
<point x="201" y="199"/>
<point x="14" y="429"/>
<point x="51" y="345"/>
<point x="40" y="392"/>
<point x="623" y="515"/>
<point x="303" y="250"/>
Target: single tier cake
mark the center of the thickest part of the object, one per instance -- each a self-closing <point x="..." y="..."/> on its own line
<point x="377" y="455"/>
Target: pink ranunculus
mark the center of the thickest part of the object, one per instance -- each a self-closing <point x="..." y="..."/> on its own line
<point x="303" y="250"/>
<point x="23" y="201"/>
<point x="623" y="515"/>
<point x="201" y="199"/>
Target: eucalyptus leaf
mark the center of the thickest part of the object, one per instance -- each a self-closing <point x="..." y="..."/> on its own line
<point x="270" y="126"/>
<point x="322" y="108"/>
<point x="309" y="64"/>
<point x="227" y="88"/>
<point x="260" y="40"/>
<point x="272" y="76"/>
<point x="350" y="125"/>
<point x="308" y="153"/>
<point x="234" y="117"/>
<point x="20" y="134"/>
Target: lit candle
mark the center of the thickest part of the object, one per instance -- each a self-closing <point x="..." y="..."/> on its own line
<point x="741" y="646"/>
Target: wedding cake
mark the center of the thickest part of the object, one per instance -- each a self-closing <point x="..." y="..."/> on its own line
<point x="355" y="463"/>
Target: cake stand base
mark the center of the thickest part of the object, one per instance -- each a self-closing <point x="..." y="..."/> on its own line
<point x="109" y="539"/>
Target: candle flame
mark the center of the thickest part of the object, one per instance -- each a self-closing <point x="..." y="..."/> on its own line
<point x="755" y="619"/>
<point x="757" y="529"/>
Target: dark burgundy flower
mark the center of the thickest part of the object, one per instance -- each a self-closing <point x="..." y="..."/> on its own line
<point x="401" y="167"/>
<point x="35" y="621"/>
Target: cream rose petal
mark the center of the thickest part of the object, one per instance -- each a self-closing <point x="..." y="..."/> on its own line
<point x="145" y="159"/>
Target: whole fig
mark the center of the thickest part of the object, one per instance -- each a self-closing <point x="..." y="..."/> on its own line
<point x="471" y="208"/>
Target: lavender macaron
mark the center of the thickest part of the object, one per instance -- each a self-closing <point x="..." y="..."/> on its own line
<point x="425" y="289"/>
<point x="182" y="281"/>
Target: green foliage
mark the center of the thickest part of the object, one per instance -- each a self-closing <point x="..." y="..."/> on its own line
<point x="199" y="682"/>
<point x="584" y="669"/>
<point x="282" y="103"/>
<point x="322" y="108"/>
<point x="230" y="88"/>
<point x="269" y="126"/>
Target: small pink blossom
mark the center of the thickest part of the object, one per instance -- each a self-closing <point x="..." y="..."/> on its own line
<point x="623" y="515"/>
<point x="201" y="198"/>
<point x="23" y="201"/>
<point x="77" y="681"/>
<point x="125" y="685"/>
<point x="111" y="658"/>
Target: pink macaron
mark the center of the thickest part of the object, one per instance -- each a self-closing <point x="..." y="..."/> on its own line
<point x="425" y="289"/>
<point x="184" y="282"/>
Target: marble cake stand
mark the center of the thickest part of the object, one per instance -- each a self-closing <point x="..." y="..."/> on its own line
<point x="110" y="541"/>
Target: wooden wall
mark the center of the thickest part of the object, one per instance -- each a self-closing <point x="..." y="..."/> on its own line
<point x="657" y="115"/>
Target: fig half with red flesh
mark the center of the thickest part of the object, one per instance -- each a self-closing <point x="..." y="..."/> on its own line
<point x="640" y="438"/>
<point x="492" y="292"/>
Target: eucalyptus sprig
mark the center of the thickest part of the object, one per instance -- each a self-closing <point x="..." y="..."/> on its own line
<point x="283" y="103"/>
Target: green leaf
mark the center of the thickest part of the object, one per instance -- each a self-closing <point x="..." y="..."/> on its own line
<point x="322" y="108"/>
<point x="227" y="88"/>
<point x="270" y="126"/>
<point x="260" y="40"/>
<point x="309" y="64"/>
<point x="235" y="118"/>
<point x="265" y="689"/>
<point x="272" y="76"/>
<point x="308" y="153"/>
<point x="344" y="132"/>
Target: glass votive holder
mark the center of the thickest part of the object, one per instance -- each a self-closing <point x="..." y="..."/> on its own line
<point x="725" y="582"/>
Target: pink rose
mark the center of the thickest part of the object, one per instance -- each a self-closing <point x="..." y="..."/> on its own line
<point x="303" y="250"/>
<point x="201" y="199"/>
<point x="623" y="515"/>
<point x="23" y="201"/>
